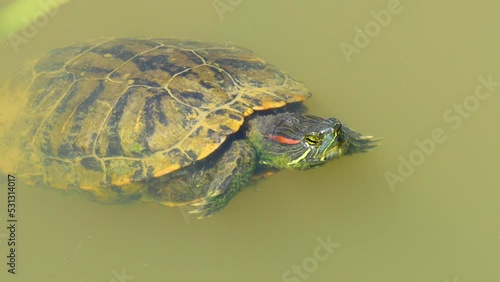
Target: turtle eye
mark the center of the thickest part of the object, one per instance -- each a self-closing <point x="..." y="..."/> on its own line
<point x="314" y="139"/>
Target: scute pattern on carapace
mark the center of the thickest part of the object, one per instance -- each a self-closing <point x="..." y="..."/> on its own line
<point x="110" y="112"/>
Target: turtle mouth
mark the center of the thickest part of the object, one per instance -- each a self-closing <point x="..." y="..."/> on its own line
<point x="334" y="149"/>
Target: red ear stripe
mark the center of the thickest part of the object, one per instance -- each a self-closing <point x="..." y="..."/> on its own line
<point x="284" y="140"/>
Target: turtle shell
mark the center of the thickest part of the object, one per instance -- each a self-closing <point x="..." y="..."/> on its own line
<point x="111" y="112"/>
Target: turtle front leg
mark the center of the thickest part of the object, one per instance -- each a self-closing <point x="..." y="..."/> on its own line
<point x="232" y="170"/>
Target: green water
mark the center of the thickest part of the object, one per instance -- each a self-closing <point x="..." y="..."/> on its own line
<point x="424" y="206"/>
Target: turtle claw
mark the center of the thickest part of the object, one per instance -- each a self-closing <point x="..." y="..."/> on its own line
<point x="360" y="143"/>
<point x="234" y="169"/>
<point x="195" y="211"/>
<point x="368" y="142"/>
<point x="199" y="204"/>
<point x="200" y="210"/>
<point x="214" y="193"/>
<point x="212" y="204"/>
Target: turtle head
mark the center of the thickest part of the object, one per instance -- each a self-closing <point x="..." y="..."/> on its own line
<point x="295" y="140"/>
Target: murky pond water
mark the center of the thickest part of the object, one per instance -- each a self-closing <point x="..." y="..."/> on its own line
<point x="423" y="206"/>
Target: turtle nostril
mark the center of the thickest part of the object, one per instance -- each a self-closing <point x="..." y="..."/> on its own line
<point x="337" y="126"/>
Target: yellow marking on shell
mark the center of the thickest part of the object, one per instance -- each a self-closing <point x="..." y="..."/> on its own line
<point x="297" y="98"/>
<point x="248" y="111"/>
<point x="265" y="96"/>
<point x="270" y="105"/>
<point x="137" y="126"/>
<point x="165" y="170"/>
<point x="303" y="156"/>
<point x="87" y="187"/>
<point x="121" y="182"/>
<point x="68" y="120"/>
<point x="106" y="195"/>
<point x="163" y="166"/>
<point x="180" y="204"/>
<point x="272" y="97"/>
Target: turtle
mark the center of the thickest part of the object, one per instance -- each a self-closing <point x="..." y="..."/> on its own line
<point x="162" y="120"/>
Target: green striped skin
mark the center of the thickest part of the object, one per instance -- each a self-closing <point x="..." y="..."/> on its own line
<point x="301" y="141"/>
<point x="122" y="118"/>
